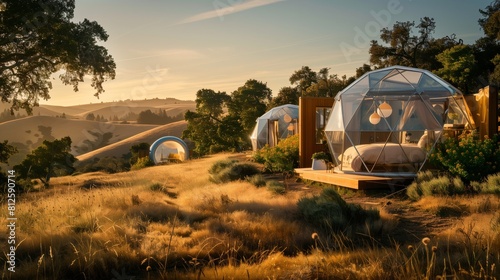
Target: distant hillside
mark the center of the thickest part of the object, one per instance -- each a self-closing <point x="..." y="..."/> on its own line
<point x="122" y="147"/>
<point x="122" y="108"/>
<point x="28" y="133"/>
<point x="110" y="109"/>
<point x="46" y="123"/>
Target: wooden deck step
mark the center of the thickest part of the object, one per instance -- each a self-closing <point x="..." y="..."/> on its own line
<point x="353" y="181"/>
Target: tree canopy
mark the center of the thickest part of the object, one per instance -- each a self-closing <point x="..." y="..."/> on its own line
<point x="204" y="123"/>
<point x="38" y="39"/>
<point x="490" y="22"/>
<point x="307" y="82"/>
<point x="6" y="150"/>
<point x="402" y="47"/>
<point x="43" y="162"/>
<point x="487" y="49"/>
<point x="223" y="122"/>
<point x="249" y="102"/>
<point x="459" y="66"/>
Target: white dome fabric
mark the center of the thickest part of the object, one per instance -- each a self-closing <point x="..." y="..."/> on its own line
<point x="392" y="107"/>
<point x="277" y="123"/>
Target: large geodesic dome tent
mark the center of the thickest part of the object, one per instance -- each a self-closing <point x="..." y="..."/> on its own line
<point x="388" y="121"/>
<point x="276" y="124"/>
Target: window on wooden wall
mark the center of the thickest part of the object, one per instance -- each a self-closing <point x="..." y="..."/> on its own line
<point x="322" y="114"/>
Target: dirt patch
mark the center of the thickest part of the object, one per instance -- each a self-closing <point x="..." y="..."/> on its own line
<point x="413" y="222"/>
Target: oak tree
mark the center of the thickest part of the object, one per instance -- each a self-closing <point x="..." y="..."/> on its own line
<point x="38" y="39"/>
<point x="203" y="124"/>
<point x="6" y="150"/>
<point x="402" y="47"/>
<point x="249" y="102"/>
<point x="45" y="161"/>
<point x="459" y="66"/>
<point x="487" y="48"/>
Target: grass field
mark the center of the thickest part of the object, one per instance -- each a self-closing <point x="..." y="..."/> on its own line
<point x="172" y="222"/>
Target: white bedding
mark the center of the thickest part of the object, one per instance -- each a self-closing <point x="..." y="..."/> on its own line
<point x="393" y="153"/>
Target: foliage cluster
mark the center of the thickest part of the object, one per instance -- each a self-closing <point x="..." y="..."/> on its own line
<point x="29" y="58"/>
<point x="465" y="66"/>
<point x="276" y="187"/>
<point x="490" y="186"/>
<point x="321" y="156"/>
<point x="228" y="170"/>
<point x="329" y="211"/>
<point x="6" y="150"/>
<point x="161" y="117"/>
<point x="427" y="184"/>
<point x="223" y="122"/>
<point x="6" y="115"/>
<point x="50" y="159"/>
<point x="138" y="151"/>
<point x="141" y="163"/>
<point x="97" y="118"/>
<point x="283" y="157"/>
<point x="106" y="164"/>
<point x="257" y="180"/>
<point x="468" y="157"/>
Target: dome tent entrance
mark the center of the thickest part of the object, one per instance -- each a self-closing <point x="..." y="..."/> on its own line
<point x="168" y="149"/>
<point x="389" y="120"/>
<point x="277" y="123"/>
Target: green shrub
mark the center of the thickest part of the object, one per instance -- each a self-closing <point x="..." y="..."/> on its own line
<point x="276" y="187"/>
<point x="141" y="163"/>
<point x="107" y="164"/>
<point x="414" y="192"/>
<point x="468" y="157"/>
<point x="257" y="180"/>
<point x="231" y="170"/>
<point x="162" y="188"/>
<point x="491" y="185"/>
<point x="427" y="185"/>
<point x="329" y="211"/>
<point x="436" y="186"/>
<point x="220" y="165"/>
<point x="452" y="210"/>
<point x="283" y="157"/>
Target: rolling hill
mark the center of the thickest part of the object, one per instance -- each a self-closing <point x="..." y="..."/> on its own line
<point x="109" y="109"/>
<point x="122" y="147"/>
<point x="46" y="123"/>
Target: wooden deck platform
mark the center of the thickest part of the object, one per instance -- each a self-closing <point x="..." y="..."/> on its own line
<point x="353" y="181"/>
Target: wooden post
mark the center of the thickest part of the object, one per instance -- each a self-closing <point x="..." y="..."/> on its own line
<point x="493" y="111"/>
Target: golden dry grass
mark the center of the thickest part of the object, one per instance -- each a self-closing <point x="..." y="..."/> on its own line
<point x="94" y="225"/>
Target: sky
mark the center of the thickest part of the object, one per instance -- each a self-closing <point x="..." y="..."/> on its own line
<point x="173" y="48"/>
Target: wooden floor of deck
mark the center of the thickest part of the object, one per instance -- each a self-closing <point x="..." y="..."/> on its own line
<point x="353" y="181"/>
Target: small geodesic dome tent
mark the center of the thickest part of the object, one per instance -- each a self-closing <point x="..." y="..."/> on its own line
<point x="276" y="124"/>
<point x="388" y="120"/>
<point x="168" y="149"/>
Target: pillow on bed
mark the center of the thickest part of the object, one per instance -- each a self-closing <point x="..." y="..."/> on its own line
<point x="422" y="143"/>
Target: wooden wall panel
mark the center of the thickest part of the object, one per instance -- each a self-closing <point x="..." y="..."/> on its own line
<point x="307" y="127"/>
